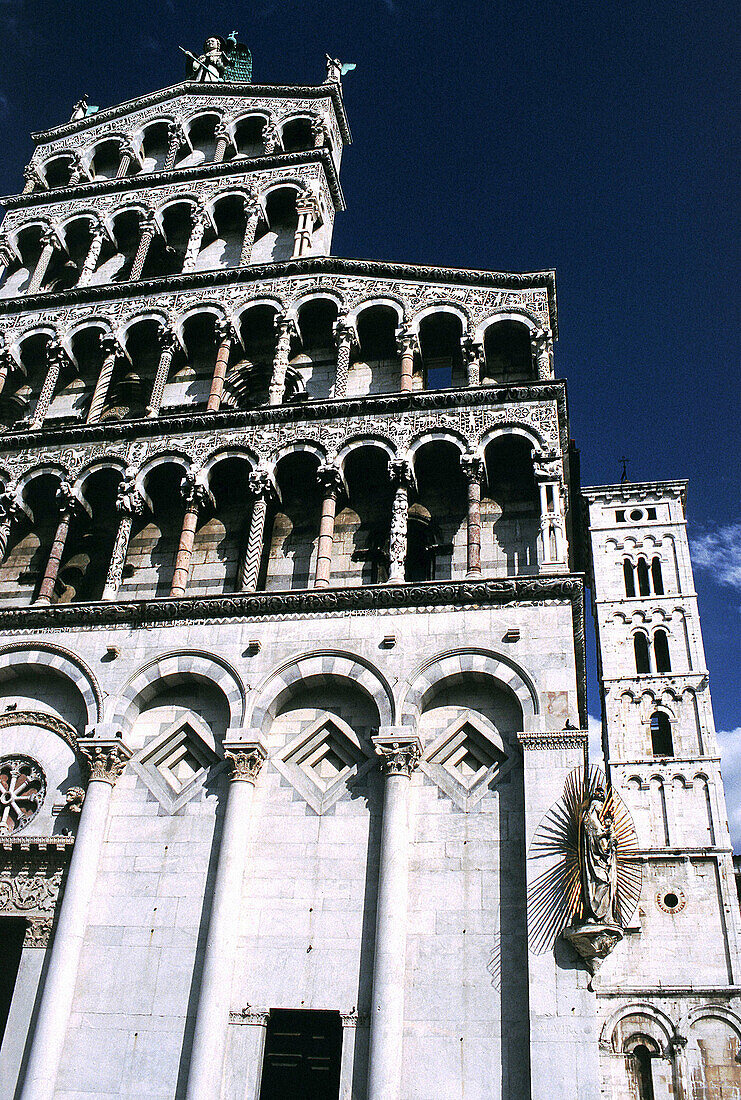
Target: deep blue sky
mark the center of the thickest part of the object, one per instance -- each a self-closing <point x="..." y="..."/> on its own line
<point x="596" y="138"/>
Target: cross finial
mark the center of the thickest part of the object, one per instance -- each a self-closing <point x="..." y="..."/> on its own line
<point x="624" y="476"/>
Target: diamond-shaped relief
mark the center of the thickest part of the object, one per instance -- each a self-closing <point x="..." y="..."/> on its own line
<point x="177" y="763"/>
<point x="322" y="761"/>
<point x="466" y="759"/>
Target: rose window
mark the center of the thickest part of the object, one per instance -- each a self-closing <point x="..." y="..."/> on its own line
<point x="22" y="790"/>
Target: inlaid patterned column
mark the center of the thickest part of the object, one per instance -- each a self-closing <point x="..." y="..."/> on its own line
<point x="318" y="132"/>
<point x="262" y="489"/>
<point x="223" y="141"/>
<point x="78" y="169"/>
<point x="49" y="245"/>
<point x="112" y="353"/>
<point x="285" y="328"/>
<point x="345" y="337"/>
<point x="148" y="231"/>
<point x="33" y="180"/>
<point x="93" y="255"/>
<point x="473" y="471"/>
<point x="245" y="760"/>
<point x="330" y="480"/>
<point x="6" y="256"/>
<point x="225" y="335"/>
<point x="175" y="138"/>
<point x="399" y="751"/>
<point x="128" y="157"/>
<point x="307" y="212"/>
<point x="473" y="357"/>
<point x="166" y="339"/>
<point x="251" y="220"/>
<point x="129" y="503"/>
<point x="107" y="760"/>
<point x="69" y="506"/>
<point x="400" y="472"/>
<point x="56" y="358"/>
<point x="10" y="508"/>
<point x="407" y="343"/>
<point x="200" y="220"/>
<point x="196" y="497"/>
<point x="541" y="345"/>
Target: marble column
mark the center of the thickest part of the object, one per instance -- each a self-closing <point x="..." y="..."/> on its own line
<point x="196" y="496"/>
<point x="56" y="358"/>
<point x="541" y="345"/>
<point x="112" y="353"/>
<point x="285" y="328"/>
<point x="473" y="357"/>
<point x="79" y="169"/>
<point x="261" y="490"/>
<point x="400" y="472"/>
<point x="200" y="220"/>
<point x="129" y="503"/>
<point x="225" y="336"/>
<point x="245" y="759"/>
<point x="252" y="217"/>
<point x="167" y="349"/>
<point x="345" y="337"/>
<point x="49" y="245"/>
<point x="318" y="132"/>
<point x="330" y="480"/>
<point x="552" y="547"/>
<point x="7" y="366"/>
<point x="6" y="256"/>
<point x="128" y="157"/>
<point x="307" y="213"/>
<point x="399" y="751"/>
<point x="32" y="180"/>
<point x="11" y="507"/>
<point x="107" y="760"/>
<point x="93" y="255"/>
<point x="148" y="233"/>
<point x="175" y="138"/>
<point x="69" y="506"/>
<point x="407" y="343"/>
<point x="223" y="141"/>
<point x="473" y="471"/>
<point x="270" y="138"/>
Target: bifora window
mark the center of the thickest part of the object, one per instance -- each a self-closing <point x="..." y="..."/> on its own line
<point x="12" y="932"/>
<point x="302" y="1055"/>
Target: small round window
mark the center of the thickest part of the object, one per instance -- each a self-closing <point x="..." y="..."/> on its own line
<point x="636" y="514"/>
<point x="671" y="900"/>
<point x="22" y="790"/>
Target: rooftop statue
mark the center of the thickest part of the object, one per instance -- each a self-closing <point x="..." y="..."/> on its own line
<point x="222" y="59"/>
<point x="82" y="109"/>
<point x="336" y="69"/>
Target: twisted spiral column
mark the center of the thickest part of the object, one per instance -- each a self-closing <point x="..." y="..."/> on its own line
<point x="167" y="349"/>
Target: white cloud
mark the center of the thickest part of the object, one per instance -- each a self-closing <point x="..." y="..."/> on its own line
<point x="717" y="551"/>
<point x="730" y="751"/>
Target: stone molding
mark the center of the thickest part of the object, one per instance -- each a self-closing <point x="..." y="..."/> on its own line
<point x="559" y="739"/>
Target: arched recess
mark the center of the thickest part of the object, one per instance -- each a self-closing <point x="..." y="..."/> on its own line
<point x="39" y="656"/>
<point x="171" y="669"/>
<point x="314" y="668"/>
<point x="51" y="744"/>
<point x="452" y="667"/>
<point x="637" y="1020"/>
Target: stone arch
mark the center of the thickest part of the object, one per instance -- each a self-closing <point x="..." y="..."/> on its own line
<point x="113" y="463"/>
<point x="370" y="303"/>
<point x="159" y="316"/>
<point x="441" y="307"/>
<point x="171" y="668"/>
<point x="360" y="442"/>
<point x="242" y="453"/>
<point x="318" y="295"/>
<point x="529" y="433"/>
<point x="443" y="436"/>
<point x="455" y="664"/>
<point x="320" y="666"/>
<point x="658" y="1027"/>
<point x="37" y="655"/>
<point x="297" y="445"/>
<point x="717" y="1011"/>
<point x="523" y="316"/>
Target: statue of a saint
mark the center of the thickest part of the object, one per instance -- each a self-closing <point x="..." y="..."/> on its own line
<point x="336" y="69"/>
<point x="598" y="862"/>
<point x="80" y="109"/>
<point x="208" y="68"/>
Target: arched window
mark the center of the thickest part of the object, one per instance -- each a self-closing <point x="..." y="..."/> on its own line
<point x="641" y="1066"/>
<point x="661" y="651"/>
<point x="630" y="584"/>
<point x="643" y="586"/>
<point x="640" y="647"/>
<point x="656" y="577"/>
<point x="661" y="735"/>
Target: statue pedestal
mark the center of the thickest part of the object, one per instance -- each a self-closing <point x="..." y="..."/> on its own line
<point x="593" y="942"/>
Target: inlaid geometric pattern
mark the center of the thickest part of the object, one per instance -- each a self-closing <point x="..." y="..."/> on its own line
<point x="466" y="759"/>
<point x="322" y="761"/>
<point x="177" y="763"/>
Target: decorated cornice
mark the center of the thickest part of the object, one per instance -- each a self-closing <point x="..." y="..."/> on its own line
<point x="150" y="180"/>
<point x="313" y="265"/>
<point x="631" y="491"/>
<point x="555" y="740"/>
<point x="265" y="606"/>
<point x="195" y="90"/>
<point x="31" y="872"/>
<point x="203" y="422"/>
<point x="19" y="844"/>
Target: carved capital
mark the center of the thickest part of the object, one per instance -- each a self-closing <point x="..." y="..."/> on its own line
<point x="401" y="473"/>
<point x="110" y="346"/>
<point x="129" y="501"/>
<point x="261" y="484"/>
<point x="175" y="134"/>
<point x="345" y="334"/>
<point x="245" y="759"/>
<point x="472" y="466"/>
<point x="11" y="504"/>
<point x="106" y="758"/>
<point x="407" y="341"/>
<point x="399" y="753"/>
<point x="473" y="350"/>
<point x="330" y="479"/>
<point x="67" y="498"/>
<point x="49" y="239"/>
<point x="195" y="492"/>
<point x="166" y="339"/>
<point x="224" y="330"/>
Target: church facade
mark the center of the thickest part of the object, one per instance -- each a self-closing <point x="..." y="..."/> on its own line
<point x="294" y="567"/>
